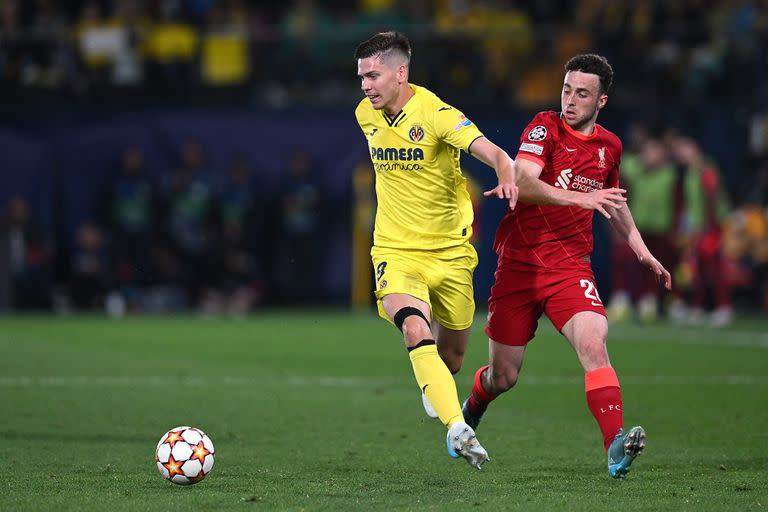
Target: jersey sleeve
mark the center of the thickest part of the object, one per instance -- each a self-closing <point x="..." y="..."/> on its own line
<point x="536" y="140"/>
<point x="454" y="128"/>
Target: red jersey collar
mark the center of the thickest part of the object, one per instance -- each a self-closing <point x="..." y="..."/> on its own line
<point x="580" y="135"/>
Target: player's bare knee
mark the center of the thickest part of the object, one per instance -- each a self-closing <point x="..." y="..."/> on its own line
<point x="503" y="380"/>
<point x="413" y="324"/>
<point x="594" y="355"/>
<point x="415" y="330"/>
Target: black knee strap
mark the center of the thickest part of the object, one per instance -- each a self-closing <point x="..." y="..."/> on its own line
<point x="422" y="343"/>
<point x="407" y="311"/>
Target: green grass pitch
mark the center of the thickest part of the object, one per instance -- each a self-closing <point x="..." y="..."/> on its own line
<point x="320" y="411"/>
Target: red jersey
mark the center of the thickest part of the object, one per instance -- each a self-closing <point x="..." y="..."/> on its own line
<point x="552" y="236"/>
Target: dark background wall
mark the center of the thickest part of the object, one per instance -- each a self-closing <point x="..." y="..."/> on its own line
<point x="61" y="161"/>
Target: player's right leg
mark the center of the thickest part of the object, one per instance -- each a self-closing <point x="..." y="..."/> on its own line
<point x="412" y="317"/>
<point x="403" y="297"/>
<point x="498" y="376"/>
<point x="451" y="345"/>
<point x="587" y="332"/>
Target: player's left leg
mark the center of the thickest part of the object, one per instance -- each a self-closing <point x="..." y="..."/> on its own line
<point x="587" y="332"/>
<point x="451" y="345"/>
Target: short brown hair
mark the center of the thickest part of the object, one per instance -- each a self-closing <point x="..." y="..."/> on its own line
<point x="384" y="43"/>
<point x="594" y="65"/>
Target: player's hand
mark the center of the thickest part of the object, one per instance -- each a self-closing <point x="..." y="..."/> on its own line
<point x="657" y="268"/>
<point x="504" y="191"/>
<point x="599" y="199"/>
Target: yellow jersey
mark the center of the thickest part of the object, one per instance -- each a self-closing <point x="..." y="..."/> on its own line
<point x="422" y="195"/>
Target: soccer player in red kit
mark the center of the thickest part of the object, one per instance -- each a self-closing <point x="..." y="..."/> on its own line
<point x="567" y="166"/>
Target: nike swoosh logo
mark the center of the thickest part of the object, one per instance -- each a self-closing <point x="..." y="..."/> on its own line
<point x="570" y="150"/>
<point x="444" y="108"/>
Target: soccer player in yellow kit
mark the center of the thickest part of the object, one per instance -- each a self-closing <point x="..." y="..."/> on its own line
<point x="423" y="261"/>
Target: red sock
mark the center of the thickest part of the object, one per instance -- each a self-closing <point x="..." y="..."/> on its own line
<point x="604" y="400"/>
<point x="479" y="398"/>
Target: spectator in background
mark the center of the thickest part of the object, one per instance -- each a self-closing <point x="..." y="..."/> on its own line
<point x="170" y="50"/>
<point x="225" y="49"/>
<point x="90" y="277"/>
<point x="507" y="37"/>
<point x="241" y="284"/>
<point x="98" y="42"/>
<point x="300" y="265"/>
<point x="129" y="215"/>
<point x="133" y="25"/>
<point x="29" y="258"/>
<point x="745" y="240"/>
<point x="705" y="210"/>
<point x="190" y="222"/>
<point x="650" y="182"/>
<point x="305" y="42"/>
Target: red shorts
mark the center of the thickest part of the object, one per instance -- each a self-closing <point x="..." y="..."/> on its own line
<point x="519" y="297"/>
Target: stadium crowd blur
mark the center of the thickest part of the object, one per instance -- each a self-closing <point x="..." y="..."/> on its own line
<point x="218" y="241"/>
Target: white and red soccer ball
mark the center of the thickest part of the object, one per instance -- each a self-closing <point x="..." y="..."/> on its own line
<point x="185" y="455"/>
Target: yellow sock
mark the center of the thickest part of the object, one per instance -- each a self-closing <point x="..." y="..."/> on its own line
<point x="437" y="383"/>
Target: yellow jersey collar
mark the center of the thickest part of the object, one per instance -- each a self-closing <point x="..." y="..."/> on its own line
<point x="410" y="106"/>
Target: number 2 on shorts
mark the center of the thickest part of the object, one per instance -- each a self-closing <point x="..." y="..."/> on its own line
<point x="591" y="292"/>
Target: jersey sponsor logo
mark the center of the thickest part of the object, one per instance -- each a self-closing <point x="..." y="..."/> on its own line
<point x="463" y="121"/>
<point x="396" y="159"/>
<point x="585" y="184"/>
<point x="416" y="133"/>
<point x="601" y="156"/>
<point x="564" y="179"/>
<point x="395" y="166"/>
<point x="567" y="181"/>
<point x="532" y="148"/>
<point x="397" y="154"/>
<point x="537" y="133"/>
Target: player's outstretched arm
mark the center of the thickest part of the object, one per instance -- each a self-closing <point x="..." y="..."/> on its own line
<point x="493" y="156"/>
<point x="622" y="221"/>
<point x="533" y="190"/>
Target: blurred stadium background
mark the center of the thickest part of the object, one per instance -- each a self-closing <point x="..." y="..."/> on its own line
<point x="173" y="160"/>
<point x="202" y="155"/>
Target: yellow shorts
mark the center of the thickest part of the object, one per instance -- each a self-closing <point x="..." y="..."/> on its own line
<point x="442" y="278"/>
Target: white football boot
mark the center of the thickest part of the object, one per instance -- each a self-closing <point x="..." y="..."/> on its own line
<point x="462" y="442"/>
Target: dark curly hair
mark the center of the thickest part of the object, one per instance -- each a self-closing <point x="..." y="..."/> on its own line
<point x="385" y="44"/>
<point x="595" y="65"/>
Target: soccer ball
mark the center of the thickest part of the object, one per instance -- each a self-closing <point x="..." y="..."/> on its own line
<point x="185" y="455"/>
